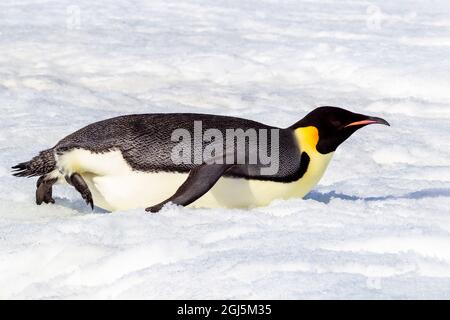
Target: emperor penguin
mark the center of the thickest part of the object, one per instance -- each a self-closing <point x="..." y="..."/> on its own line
<point x="149" y="160"/>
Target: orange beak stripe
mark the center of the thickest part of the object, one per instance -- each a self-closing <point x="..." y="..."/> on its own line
<point x="360" y="123"/>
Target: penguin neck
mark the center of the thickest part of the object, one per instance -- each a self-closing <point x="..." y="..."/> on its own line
<point x="307" y="139"/>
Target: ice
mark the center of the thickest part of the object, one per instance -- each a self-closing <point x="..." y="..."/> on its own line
<point x="376" y="226"/>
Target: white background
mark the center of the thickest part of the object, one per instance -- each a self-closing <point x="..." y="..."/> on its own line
<point x="376" y="226"/>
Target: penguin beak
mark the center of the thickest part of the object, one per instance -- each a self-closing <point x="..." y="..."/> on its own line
<point x="368" y="120"/>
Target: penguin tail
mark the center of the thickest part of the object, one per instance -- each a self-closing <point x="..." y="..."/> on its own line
<point x="40" y="165"/>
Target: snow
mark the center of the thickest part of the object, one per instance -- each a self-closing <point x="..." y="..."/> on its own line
<point x="376" y="226"/>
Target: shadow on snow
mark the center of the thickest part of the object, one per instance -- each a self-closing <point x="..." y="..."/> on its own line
<point x="425" y="193"/>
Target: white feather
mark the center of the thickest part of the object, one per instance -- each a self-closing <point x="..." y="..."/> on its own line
<point x="116" y="186"/>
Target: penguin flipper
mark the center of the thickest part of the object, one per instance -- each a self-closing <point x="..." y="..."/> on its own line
<point x="199" y="181"/>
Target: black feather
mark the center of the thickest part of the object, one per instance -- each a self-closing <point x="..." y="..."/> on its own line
<point x="39" y="165"/>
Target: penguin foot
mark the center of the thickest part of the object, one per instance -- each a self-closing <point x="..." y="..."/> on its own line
<point x="87" y="196"/>
<point x="44" y="190"/>
<point x="80" y="185"/>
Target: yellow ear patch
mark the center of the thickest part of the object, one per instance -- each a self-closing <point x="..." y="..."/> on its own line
<point x="307" y="137"/>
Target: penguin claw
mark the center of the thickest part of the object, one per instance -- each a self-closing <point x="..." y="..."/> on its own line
<point x="87" y="196"/>
<point x="80" y="185"/>
<point x="50" y="200"/>
<point x="48" y="197"/>
<point x="44" y="191"/>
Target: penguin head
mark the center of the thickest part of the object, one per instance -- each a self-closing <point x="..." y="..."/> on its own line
<point x="335" y="125"/>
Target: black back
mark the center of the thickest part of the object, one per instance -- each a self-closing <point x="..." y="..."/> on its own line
<point x="145" y="142"/>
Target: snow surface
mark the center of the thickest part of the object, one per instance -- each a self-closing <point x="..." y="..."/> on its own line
<point x="377" y="225"/>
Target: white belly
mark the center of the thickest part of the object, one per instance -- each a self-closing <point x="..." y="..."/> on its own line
<point x="115" y="186"/>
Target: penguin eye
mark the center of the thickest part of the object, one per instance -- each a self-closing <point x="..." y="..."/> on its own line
<point x="336" y="123"/>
